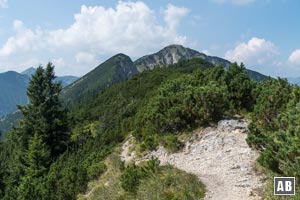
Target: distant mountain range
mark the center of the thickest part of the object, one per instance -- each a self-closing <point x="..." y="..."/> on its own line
<point x="65" y="80"/>
<point x="121" y="67"/>
<point x="116" y="69"/>
<point x="13" y="87"/>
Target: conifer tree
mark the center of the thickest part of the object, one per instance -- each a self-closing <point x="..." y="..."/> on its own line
<point x="44" y="115"/>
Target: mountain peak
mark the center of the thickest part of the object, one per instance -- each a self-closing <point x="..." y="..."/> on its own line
<point x="117" y="68"/>
<point x="29" y="71"/>
<point x="174" y="53"/>
<point x="174" y="46"/>
<point x="120" y="55"/>
<point x="169" y="55"/>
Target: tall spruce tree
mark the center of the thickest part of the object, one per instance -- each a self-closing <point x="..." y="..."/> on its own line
<point x="44" y="114"/>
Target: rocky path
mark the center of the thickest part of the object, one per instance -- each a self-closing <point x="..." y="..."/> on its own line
<point x="222" y="160"/>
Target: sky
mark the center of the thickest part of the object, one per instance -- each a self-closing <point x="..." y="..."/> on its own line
<point x="77" y="35"/>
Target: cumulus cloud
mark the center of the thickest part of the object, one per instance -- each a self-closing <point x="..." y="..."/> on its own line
<point x="235" y="2"/>
<point x="256" y="51"/>
<point x="25" y="40"/>
<point x="96" y="33"/>
<point x="263" y="56"/>
<point x="84" y="57"/>
<point x="173" y="15"/>
<point x="59" y="62"/>
<point x="294" y="58"/>
<point x="128" y="27"/>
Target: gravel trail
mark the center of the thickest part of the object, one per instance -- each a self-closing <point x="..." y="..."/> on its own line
<point x="221" y="159"/>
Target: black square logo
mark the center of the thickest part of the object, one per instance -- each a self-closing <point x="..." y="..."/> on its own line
<point x="284" y="185"/>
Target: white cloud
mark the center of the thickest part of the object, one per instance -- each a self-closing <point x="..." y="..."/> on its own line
<point x="58" y="62"/>
<point x="84" y="57"/>
<point x="255" y="52"/>
<point x="128" y="27"/>
<point x="25" y="40"/>
<point x="96" y="34"/>
<point x="235" y="2"/>
<point x="294" y="58"/>
<point x="173" y="15"/>
<point x="263" y="56"/>
<point x="3" y="3"/>
<point x="18" y="25"/>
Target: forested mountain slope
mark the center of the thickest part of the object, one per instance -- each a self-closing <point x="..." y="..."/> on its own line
<point x="116" y="69"/>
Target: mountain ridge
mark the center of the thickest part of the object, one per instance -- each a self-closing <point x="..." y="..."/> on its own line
<point x="120" y="67"/>
<point x="174" y="53"/>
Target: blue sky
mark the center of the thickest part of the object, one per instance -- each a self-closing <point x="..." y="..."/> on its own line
<point x="78" y="35"/>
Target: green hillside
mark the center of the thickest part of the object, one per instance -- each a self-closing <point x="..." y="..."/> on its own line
<point x="116" y="69"/>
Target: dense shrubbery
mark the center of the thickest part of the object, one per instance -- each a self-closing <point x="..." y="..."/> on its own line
<point x="182" y="103"/>
<point x="240" y="88"/>
<point x="191" y="100"/>
<point x="153" y="182"/>
<point x="275" y="126"/>
<point x="141" y="181"/>
<point x="132" y="175"/>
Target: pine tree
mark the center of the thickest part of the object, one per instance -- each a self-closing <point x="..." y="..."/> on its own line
<point x="44" y="114"/>
<point x="55" y="115"/>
